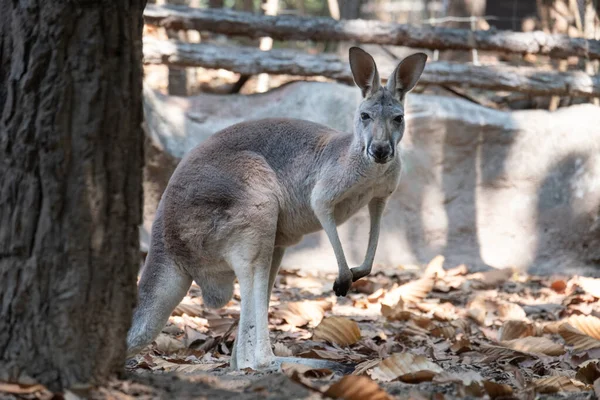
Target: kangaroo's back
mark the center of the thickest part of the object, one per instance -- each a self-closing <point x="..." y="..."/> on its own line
<point x="285" y="144"/>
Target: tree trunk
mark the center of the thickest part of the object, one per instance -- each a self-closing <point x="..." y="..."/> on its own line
<point x="71" y="147"/>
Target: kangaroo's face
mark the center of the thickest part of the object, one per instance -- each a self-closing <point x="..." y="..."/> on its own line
<point x="379" y="119"/>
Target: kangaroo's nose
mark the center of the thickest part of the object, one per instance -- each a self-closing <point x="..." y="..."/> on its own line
<point x="381" y="151"/>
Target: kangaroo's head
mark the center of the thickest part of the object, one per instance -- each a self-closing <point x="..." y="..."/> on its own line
<point x="379" y="119"/>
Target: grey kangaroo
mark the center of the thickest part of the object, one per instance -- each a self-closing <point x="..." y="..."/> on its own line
<point x="239" y="199"/>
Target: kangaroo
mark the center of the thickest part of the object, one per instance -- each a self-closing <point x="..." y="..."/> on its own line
<point x="239" y="199"/>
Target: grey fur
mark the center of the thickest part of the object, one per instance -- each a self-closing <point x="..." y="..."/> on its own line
<point x="236" y="201"/>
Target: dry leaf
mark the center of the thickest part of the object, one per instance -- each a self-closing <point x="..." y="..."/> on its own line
<point x="395" y="313"/>
<point x="435" y="267"/>
<point x="588" y="372"/>
<point x="169" y="366"/>
<point x="495" y="389"/>
<point x="465" y="377"/>
<point x="446" y="331"/>
<point x="554" y="384"/>
<point x="354" y="387"/>
<point x="461" y="346"/>
<point x="513" y="329"/>
<point x="511" y="311"/>
<point x="502" y="353"/>
<point x="322" y="354"/>
<point x="190" y="306"/>
<point x="338" y="330"/>
<point x="219" y="326"/>
<point x="539" y="345"/>
<point x="364" y="366"/>
<point x="589" y="285"/>
<point x="301" y="313"/>
<point x="16" y="388"/>
<point x="405" y="365"/>
<point x="411" y="292"/>
<point x="490" y="279"/>
<point x="281" y="350"/>
<point x="577" y="339"/>
<point x="165" y="344"/>
<point x="457" y="271"/>
<point x="304" y="370"/>
<point x="586" y="324"/>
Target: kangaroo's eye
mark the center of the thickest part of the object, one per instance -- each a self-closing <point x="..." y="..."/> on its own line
<point x="399" y="119"/>
<point x="364" y="116"/>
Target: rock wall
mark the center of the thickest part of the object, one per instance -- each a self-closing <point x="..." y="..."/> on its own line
<point x="480" y="186"/>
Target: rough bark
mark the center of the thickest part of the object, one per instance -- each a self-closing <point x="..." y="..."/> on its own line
<point x="246" y="60"/>
<point x="289" y="27"/>
<point x="71" y="149"/>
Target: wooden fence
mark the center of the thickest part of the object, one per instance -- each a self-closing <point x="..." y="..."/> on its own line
<point x="246" y="60"/>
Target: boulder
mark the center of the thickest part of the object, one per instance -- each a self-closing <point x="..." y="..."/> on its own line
<point x="480" y="186"/>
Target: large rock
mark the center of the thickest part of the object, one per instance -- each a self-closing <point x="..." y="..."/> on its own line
<point x="480" y="186"/>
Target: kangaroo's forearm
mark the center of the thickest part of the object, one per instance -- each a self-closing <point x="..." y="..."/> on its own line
<point x="328" y="223"/>
<point x="376" y="207"/>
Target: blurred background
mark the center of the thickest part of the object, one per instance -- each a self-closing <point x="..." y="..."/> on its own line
<point x="500" y="155"/>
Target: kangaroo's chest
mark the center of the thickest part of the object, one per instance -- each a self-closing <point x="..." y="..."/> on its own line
<point x="351" y="203"/>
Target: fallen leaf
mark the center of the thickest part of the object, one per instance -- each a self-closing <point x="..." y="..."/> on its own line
<point x="322" y="354"/>
<point x="165" y="344"/>
<point x="490" y="279"/>
<point x="457" y="271"/>
<point x="354" y="387"/>
<point x="410" y="366"/>
<point x="220" y="326"/>
<point x="281" y="350"/>
<point x="301" y="313"/>
<point x="411" y="292"/>
<point x="589" y="285"/>
<point x="503" y="353"/>
<point x="495" y="390"/>
<point x="588" y="372"/>
<point x="446" y="331"/>
<point x="511" y="311"/>
<point x="395" y="313"/>
<point x="190" y="306"/>
<point x="364" y="366"/>
<point x="513" y="329"/>
<point x="461" y="346"/>
<point x="168" y="366"/>
<point x="435" y="267"/>
<point x="465" y="377"/>
<point x="538" y="345"/>
<point x="577" y="339"/>
<point x="586" y="324"/>
<point x="309" y="372"/>
<point x="16" y="388"/>
<point x="555" y="384"/>
<point x="338" y="330"/>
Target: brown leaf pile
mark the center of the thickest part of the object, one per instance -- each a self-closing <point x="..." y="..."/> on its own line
<point x="498" y="333"/>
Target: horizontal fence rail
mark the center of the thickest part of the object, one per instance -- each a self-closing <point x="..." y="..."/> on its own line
<point x="247" y="60"/>
<point x="288" y="27"/>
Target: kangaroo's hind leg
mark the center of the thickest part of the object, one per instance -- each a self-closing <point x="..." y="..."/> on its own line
<point x="161" y="288"/>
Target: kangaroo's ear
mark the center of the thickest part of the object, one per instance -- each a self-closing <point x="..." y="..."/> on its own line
<point x="406" y="75"/>
<point x="364" y="71"/>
